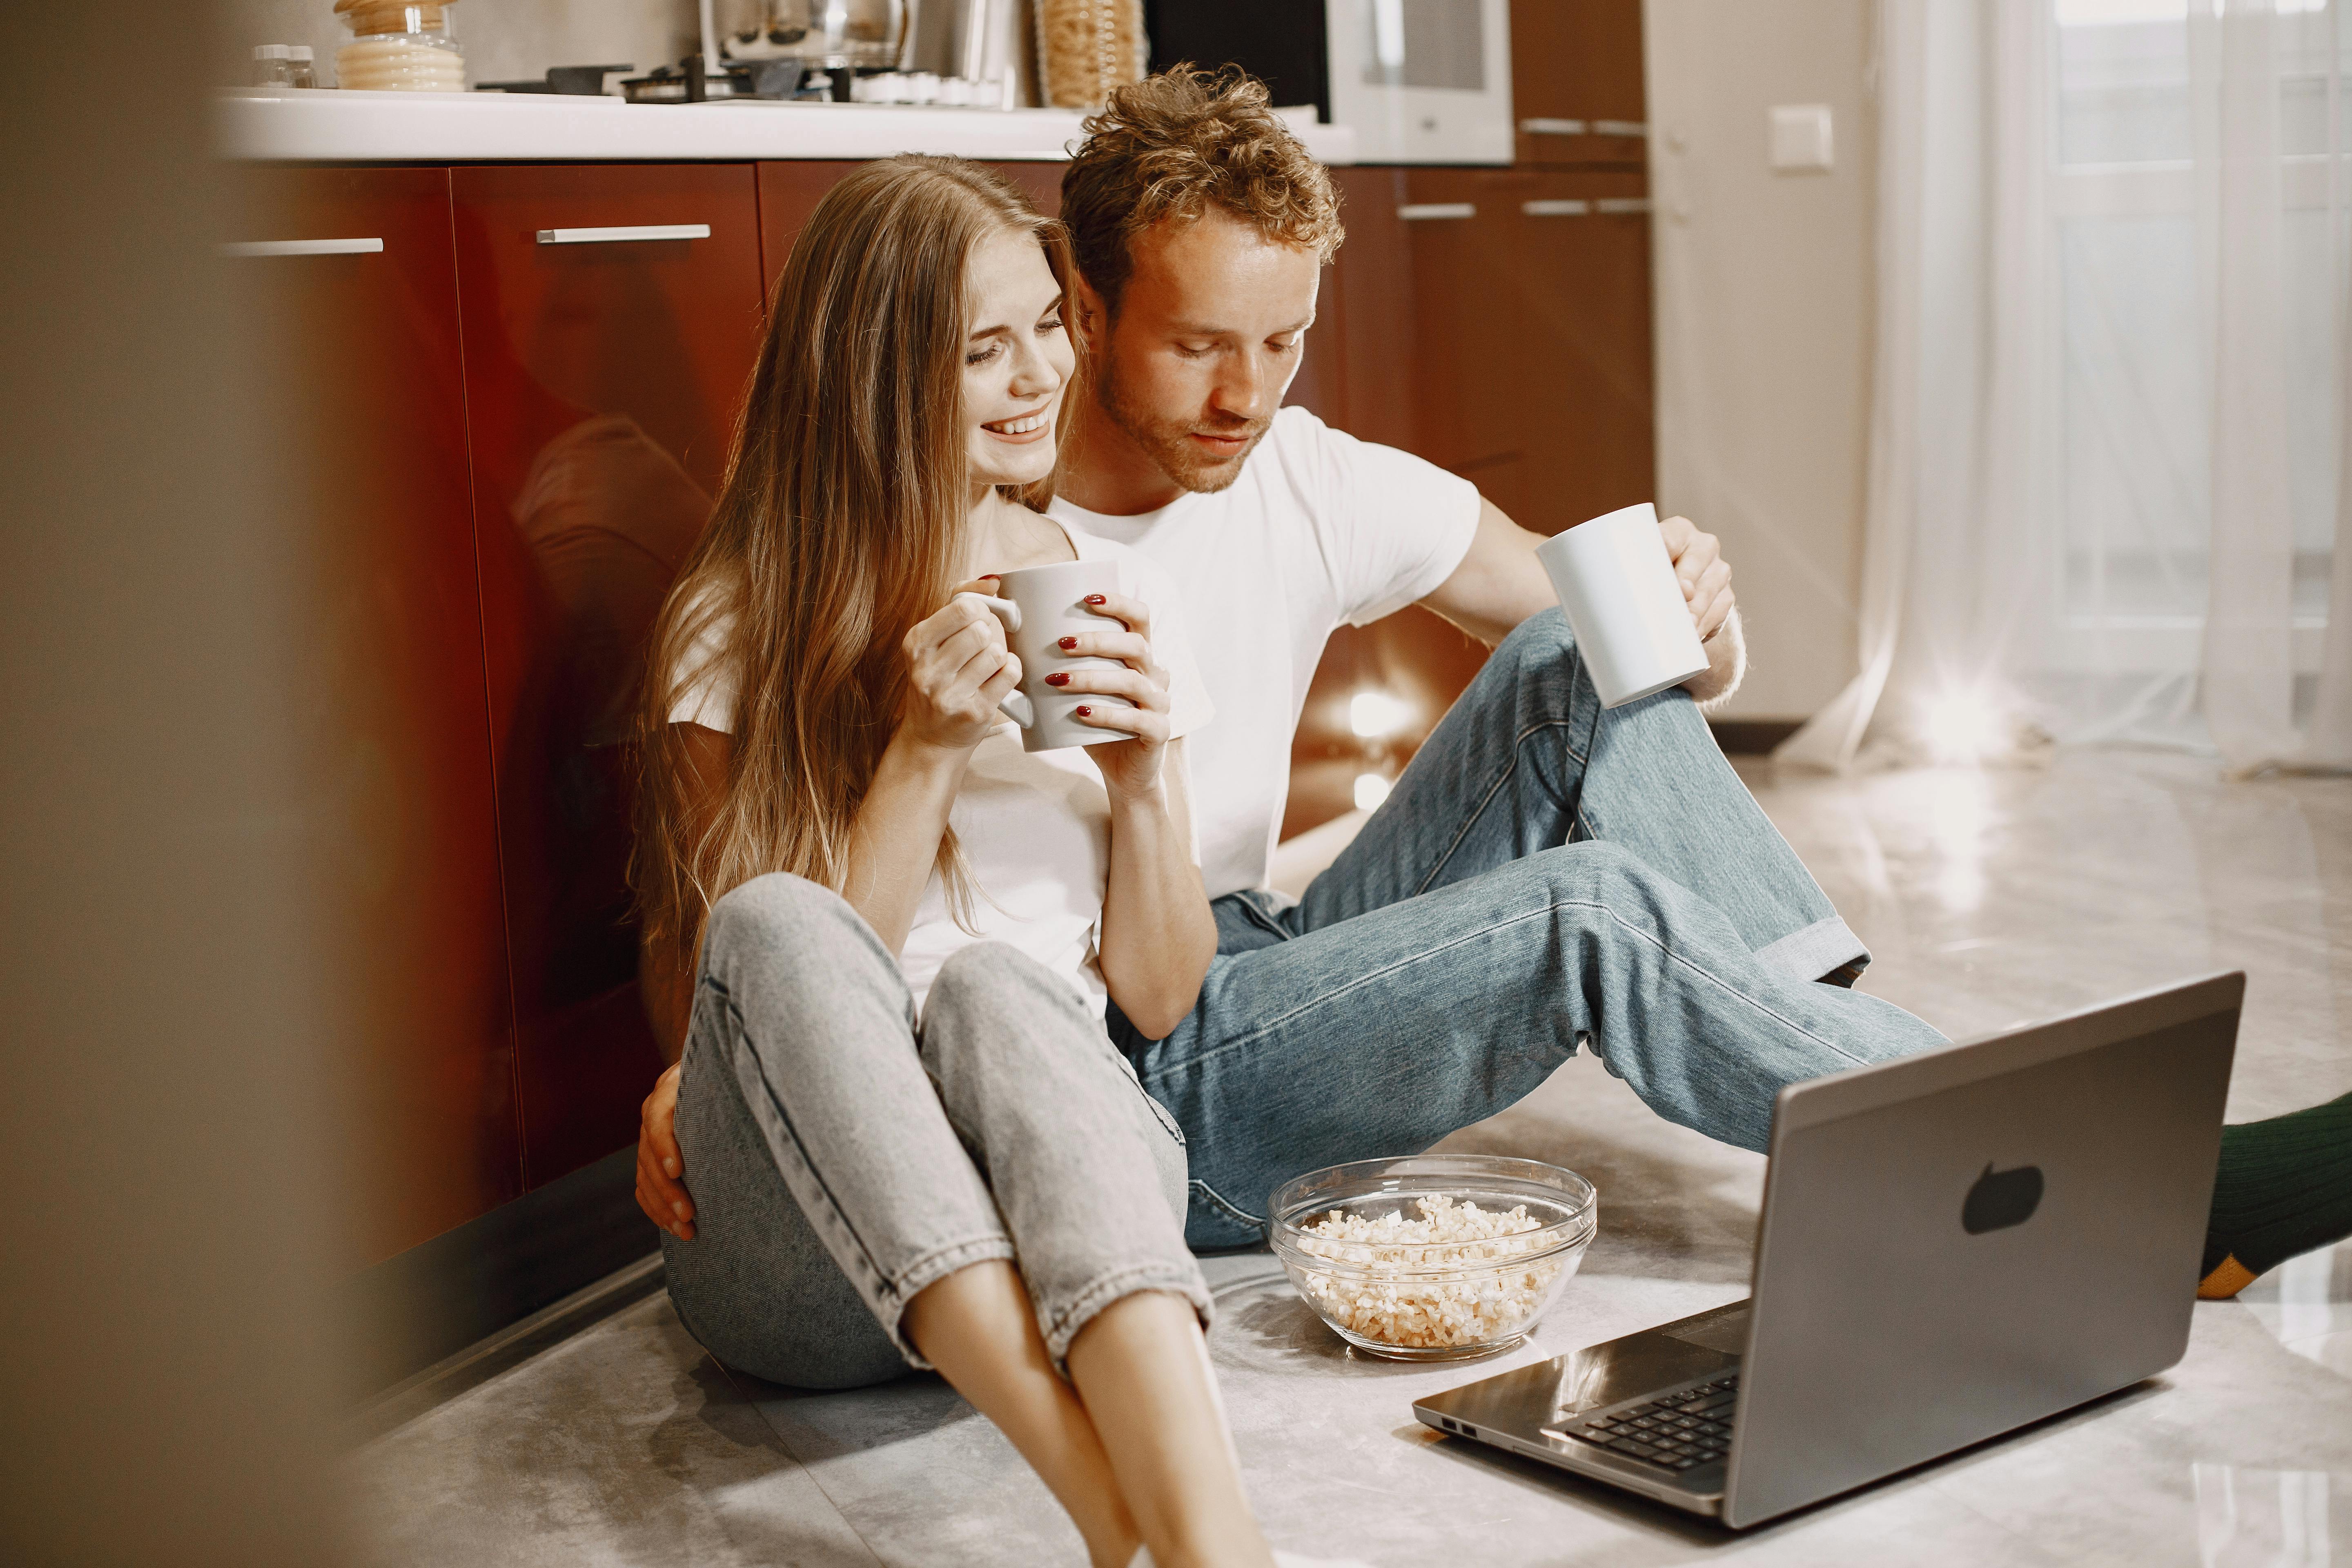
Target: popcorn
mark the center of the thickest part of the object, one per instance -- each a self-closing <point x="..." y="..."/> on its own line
<point x="1461" y="1287"/>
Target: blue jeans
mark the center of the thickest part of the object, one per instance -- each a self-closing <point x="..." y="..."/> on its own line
<point x="1547" y="874"/>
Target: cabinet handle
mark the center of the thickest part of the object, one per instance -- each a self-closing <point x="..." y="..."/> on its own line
<point x="302" y="248"/>
<point x="1433" y="212"/>
<point x="622" y="235"/>
<point x="1621" y="204"/>
<point x="1540" y="127"/>
<point x="1556" y="208"/>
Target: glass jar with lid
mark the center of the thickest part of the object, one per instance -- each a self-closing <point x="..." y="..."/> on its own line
<point x="398" y="47"/>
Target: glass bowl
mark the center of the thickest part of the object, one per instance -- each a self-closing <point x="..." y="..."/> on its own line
<point x="1446" y="1299"/>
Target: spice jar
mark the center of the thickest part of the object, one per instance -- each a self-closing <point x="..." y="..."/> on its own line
<point x="398" y="47"/>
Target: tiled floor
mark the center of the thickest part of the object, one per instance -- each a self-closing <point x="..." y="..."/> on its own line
<point x="1988" y="897"/>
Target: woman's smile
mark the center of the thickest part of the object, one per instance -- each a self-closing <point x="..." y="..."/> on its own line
<point x="1022" y="428"/>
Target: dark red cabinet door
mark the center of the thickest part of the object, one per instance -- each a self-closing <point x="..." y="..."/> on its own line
<point x="603" y="376"/>
<point x="1576" y="260"/>
<point x="1532" y="337"/>
<point x="1368" y="332"/>
<point x="373" y="415"/>
<point x="1578" y="60"/>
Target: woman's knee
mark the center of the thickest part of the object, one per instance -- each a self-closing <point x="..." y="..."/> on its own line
<point x="780" y="911"/>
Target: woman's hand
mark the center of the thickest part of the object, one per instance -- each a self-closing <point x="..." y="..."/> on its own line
<point x="1130" y="766"/>
<point x="958" y="670"/>
<point x="1705" y="576"/>
<point x="660" y="1189"/>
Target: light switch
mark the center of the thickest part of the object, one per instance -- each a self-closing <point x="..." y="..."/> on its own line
<point x="1801" y="137"/>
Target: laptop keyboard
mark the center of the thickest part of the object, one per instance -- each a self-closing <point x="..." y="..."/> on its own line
<point x="1679" y="1431"/>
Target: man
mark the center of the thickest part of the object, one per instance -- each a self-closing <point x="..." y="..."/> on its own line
<point x="1544" y="875"/>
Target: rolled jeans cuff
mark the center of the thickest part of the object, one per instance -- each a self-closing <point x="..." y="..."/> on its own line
<point x="1064" y="1324"/>
<point x="1818" y="950"/>
<point x="889" y="1304"/>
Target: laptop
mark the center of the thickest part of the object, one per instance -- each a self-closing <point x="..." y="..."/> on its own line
<point x="1952" y="1244"/>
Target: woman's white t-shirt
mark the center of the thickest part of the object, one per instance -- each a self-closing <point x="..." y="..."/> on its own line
<point x="1034" y="826"/>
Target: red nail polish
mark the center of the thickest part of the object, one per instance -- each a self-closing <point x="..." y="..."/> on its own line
<point x="1094" y="598"/>
<point x="1066" y="643"/>
<point x="1058" y="678"/>
<point x="990" y="577"/>
<point x="1082" y="711"/>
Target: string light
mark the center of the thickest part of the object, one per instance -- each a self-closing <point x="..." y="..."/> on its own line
<point x="1372" y="714"/>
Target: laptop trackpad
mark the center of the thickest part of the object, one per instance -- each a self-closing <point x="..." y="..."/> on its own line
<point x="1725" y="1332"/>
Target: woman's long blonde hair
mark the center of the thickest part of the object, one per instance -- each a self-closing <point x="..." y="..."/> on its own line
<point x="840" y="523"/>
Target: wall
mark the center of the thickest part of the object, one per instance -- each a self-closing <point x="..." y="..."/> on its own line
<point x="1763" y="321"/>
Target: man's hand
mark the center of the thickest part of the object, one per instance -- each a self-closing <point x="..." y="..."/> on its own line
<point x="659" y="1169"/>
<point x="1700" y="568"/>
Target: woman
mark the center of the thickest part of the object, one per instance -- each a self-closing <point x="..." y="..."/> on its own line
<point x="913" y="1141"/>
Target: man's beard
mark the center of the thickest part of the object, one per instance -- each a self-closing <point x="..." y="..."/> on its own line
<point x="1168" y="443"/>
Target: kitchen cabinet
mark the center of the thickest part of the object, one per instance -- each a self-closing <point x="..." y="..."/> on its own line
<point x="611" y="315"/>
<point x="373" y="415"/>
<point x="1532" y="337"/>
<point x="1577" y="88"/>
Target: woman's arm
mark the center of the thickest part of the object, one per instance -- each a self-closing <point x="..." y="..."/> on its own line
<point x="666" y="970"/>
<point x="1158" y="934"/>
<point x="959" y="669"/>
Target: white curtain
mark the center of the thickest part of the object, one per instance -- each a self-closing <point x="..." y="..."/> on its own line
<point x="2111" y="487"/>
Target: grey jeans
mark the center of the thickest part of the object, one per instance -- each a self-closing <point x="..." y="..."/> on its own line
<point x="845" y="1155"/>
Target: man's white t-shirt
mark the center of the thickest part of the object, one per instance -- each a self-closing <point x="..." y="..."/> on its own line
<point x="1034" y="826"/>
<point x="1320" y="530"/>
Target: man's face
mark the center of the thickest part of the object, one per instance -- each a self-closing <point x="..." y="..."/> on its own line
<point x="1208" y="335"/>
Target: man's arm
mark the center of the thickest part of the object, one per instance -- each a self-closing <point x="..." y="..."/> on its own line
<point x="1501" y="583"/>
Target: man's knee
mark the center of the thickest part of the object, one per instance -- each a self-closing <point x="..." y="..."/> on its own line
<point x="1540" y="642"/>
<point x="1594" y="870"/>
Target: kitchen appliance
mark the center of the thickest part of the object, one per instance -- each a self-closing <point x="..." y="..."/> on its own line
<point x="568" y="82"/>
<point x="692" y="81"/>
<point x="822" y="35"/>
<point x="1421" y="81"/>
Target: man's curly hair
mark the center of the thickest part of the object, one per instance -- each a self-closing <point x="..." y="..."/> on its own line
<point x="1175" y="145"/>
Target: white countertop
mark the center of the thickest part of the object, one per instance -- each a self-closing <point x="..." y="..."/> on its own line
<point x="332" y="126"/>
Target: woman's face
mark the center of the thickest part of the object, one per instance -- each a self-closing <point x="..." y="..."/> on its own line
<point x="1016" y="362"/>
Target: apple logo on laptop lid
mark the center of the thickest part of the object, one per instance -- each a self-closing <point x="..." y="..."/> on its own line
<point x="1999" y="1199"/>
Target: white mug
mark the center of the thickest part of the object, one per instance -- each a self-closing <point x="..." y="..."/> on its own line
<point x="1626" y="606"/>
<point x="1040" y="606"/>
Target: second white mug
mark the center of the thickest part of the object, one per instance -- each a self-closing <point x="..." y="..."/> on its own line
<point x="1625" y="605"/>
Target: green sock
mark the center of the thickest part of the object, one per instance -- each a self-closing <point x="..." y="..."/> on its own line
<point x="2284" y="1188"/>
